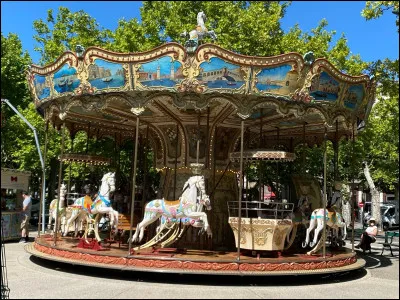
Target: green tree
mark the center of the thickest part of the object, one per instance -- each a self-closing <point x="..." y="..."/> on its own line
<point x="375" y="9"/>
<point x="66" y="31"/>
<point x="14" y="88"/>
<point x="14" y="62"/>
<point x="378" y="164"/>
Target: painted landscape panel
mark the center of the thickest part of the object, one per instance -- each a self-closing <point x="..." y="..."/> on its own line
<point x="65" y="79"/>
<point x="353" y="96"/>
<point x="161" y="72"/>
<point x="324" y="87"/>
<point x="42" y="89"/>
<point x="218" y="74"/>
<point x="278" y="80"/>
<point x="104" y="75"/>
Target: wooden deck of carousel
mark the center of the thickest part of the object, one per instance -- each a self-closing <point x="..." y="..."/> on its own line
<point x="172" y="260"/>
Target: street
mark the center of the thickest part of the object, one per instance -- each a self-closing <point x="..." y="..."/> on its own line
<point x="34" y="278"/>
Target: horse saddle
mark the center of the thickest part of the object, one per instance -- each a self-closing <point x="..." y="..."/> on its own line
<point x="87" y="202"/>
<point x="171" y="202"/>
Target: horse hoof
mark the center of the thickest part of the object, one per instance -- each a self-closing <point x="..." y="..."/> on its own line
<point x="304" y="244"/>
<point x="312" y="244"/>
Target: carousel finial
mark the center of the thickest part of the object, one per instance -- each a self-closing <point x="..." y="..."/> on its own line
<point x="79" y="49"/>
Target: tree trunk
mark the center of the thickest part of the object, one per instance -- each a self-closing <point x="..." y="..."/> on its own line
<point x="346" y="204"/>
<point x="375" y="203"/>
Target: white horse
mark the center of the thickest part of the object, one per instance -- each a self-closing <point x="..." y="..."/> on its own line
<point x="188" y="205"/>
<point x="334" y="220"/>
<point x="101" y="205"/>
<point x="200" y="31"/>
<point x="61" y="208"/>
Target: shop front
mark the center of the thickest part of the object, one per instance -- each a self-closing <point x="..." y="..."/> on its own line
<point x="13" y="182"/>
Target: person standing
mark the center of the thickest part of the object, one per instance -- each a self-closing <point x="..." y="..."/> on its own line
<point x="25" y="215"/>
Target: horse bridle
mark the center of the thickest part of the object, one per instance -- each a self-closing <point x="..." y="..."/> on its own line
<point x="201" y="201"/>
<point x="109" y="187"/>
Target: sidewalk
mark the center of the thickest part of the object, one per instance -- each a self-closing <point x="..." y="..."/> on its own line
<point x="41" y="280"/>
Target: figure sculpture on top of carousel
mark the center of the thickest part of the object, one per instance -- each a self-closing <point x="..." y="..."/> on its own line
<point x="197" y="34"/>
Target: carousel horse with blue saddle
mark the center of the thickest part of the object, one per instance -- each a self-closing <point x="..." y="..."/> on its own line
<point x="334" y="220"/>
<point x="84" y="207"/>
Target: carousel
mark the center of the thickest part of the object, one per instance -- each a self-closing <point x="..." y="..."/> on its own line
<point x="206" y="113"/>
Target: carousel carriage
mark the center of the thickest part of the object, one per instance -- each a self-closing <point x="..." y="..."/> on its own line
<point x="203" y="104"/>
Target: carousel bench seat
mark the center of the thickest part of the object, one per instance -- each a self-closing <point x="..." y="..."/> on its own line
<point x="389" y="236"/>
<point x="124" y="226"/>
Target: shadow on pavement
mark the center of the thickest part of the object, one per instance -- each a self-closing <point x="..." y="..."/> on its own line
<point x="210" y="280"/>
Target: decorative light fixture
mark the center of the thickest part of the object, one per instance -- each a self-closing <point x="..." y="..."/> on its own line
<point x="196" y="168"/>
<point x="85" y="158"/>
<point x="274" y="155"/>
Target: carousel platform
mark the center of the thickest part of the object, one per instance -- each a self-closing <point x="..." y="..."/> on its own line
<point x="187" y="261"/>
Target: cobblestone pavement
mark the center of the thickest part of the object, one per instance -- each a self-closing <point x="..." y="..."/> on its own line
<point x="33" y="278"/>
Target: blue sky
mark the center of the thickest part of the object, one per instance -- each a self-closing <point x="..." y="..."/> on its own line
<point x="374" y="39"/>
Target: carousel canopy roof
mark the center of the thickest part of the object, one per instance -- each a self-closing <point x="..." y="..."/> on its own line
<point x="287" y="99"/>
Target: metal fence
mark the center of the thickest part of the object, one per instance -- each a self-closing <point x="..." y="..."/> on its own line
<point x="260" y="209"/>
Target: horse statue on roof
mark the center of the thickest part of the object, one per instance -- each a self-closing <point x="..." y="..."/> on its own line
<point x="334" y="220"/>
<point x="198" y="34"/>
<point x="85" y="207"/>
<point x="53" y="212"/>
<point x="187" y="208"/>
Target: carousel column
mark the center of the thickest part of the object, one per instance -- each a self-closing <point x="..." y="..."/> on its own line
<point x="278" y="194"/>
<point x="198" y="139"/>
<point x="240" y="186"/>
<point x="352" y="196"/>
<point x="59" y="183"/>
<point x="145" y="171"/>
<point x="43" y="188"/>
<point x="206" y="166"/>
<point x="303" y="152"/>
<point x="176" y="157"/>
<point x="70" y="163"/>
<point x="336" y="154"/>
<point x="137" y="112"/>
<point x="325" y="196"/>
<point x="261" y="190"/>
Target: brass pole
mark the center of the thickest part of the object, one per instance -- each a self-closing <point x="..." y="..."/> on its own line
<point x="261" y="196"/>
<point x="198" y="140"/>
<point x="336" y="153"/>
<point x="59" y="183"/>
<point x="134" y="184"/>
<point x="278" y="184"/>
<point x="303" y="153"/>
<point x="43" y="187"/>
<point x="69" y="167"/>
<point x="325" y="198"/>
<point x="145" y="171"/>
<point x="352" y="188"/>
<point x="240" y="188"/>
<point x="207" y="141"/>
<point x="176" y="157"/>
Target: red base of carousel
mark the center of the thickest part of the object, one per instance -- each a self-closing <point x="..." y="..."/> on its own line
<point x="172" y="260"/>
<point x="93" y="244"/>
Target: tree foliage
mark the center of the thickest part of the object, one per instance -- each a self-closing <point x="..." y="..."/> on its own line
<point x="375" y="9"/>
<point x="66" y="31"/>
<point x="14" y="62"/>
